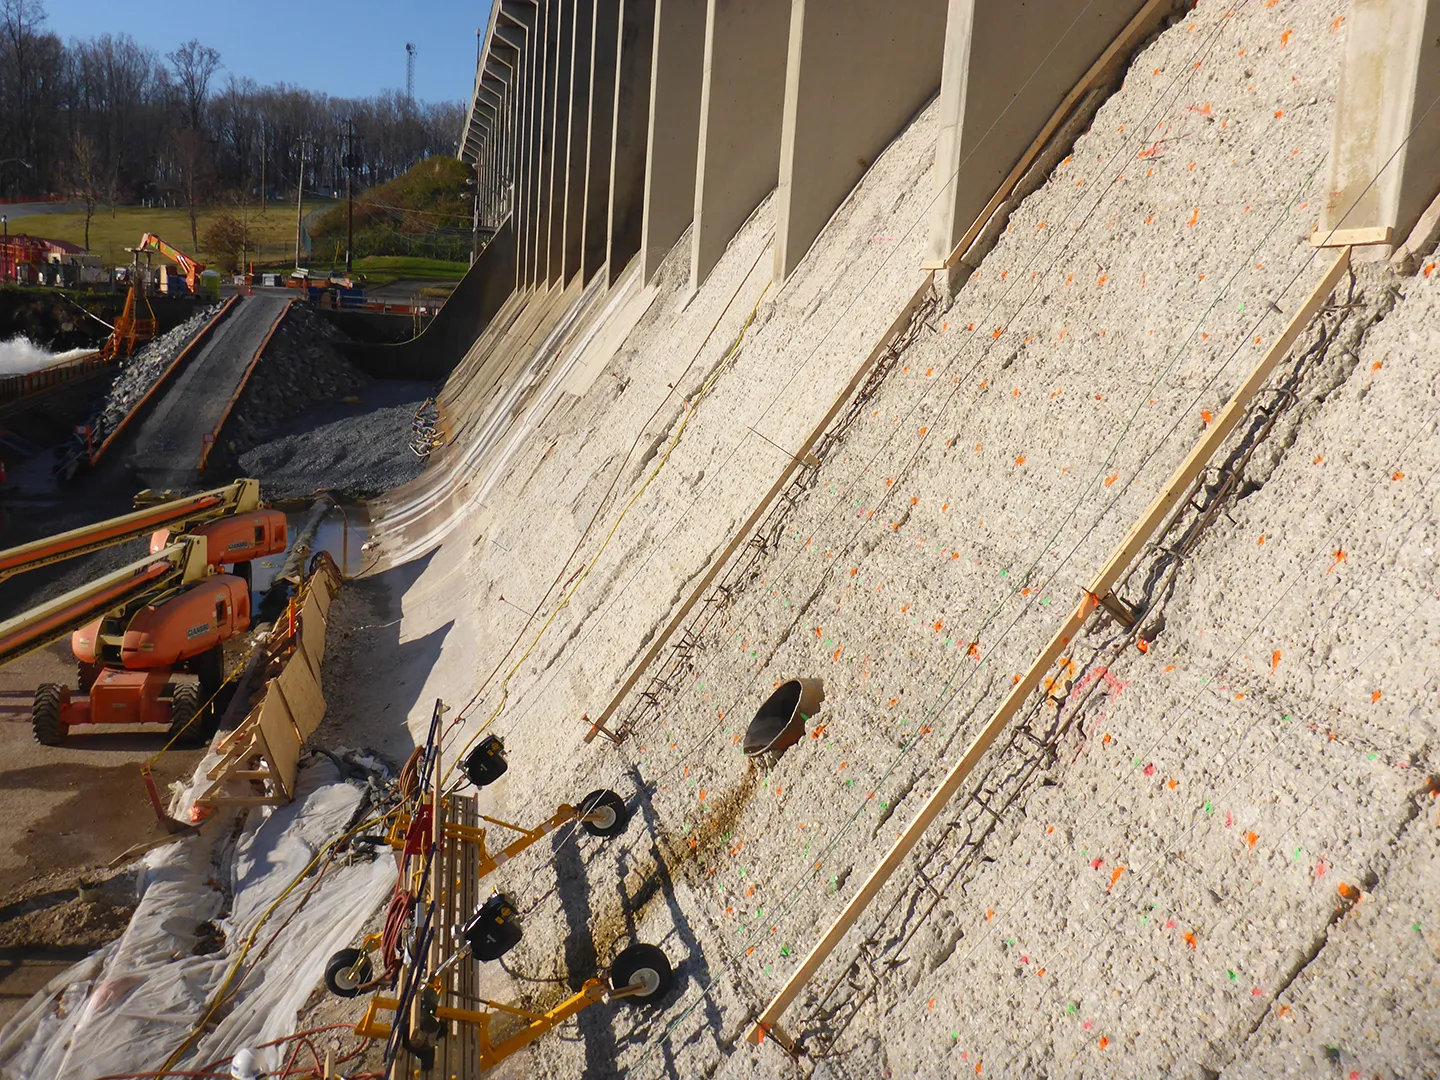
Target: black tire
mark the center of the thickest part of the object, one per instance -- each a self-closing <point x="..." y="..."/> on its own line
<point x="87" y="674"/>
<point x="616" y="815"/>
<point x="209" y="666"/>
<point x="184" y="704"/>
<point x="647" y="964"/>
<point x="347" y="972"/>
<point x="45" y="715"/>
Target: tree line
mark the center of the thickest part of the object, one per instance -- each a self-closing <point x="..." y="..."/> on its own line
<point x="107" y="120"/>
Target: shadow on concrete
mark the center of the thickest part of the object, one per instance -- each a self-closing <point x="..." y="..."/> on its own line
<point x="435" y="352"/>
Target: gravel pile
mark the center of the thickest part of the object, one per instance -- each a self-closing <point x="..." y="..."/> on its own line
<point x="355" y="450"/>
<point x="301" y="368"/>
<point x="142" y="370"/>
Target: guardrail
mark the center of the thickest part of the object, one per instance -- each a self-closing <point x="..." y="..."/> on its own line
<point x="208" y="442"/>
<point x="17" y="387"/>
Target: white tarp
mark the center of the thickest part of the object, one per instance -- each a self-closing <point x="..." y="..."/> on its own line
<point x="126" y="1008"/>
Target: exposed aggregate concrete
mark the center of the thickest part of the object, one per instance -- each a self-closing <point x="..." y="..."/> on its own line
<point x="1156" y="892"/>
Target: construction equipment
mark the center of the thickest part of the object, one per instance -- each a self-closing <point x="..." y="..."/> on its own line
<point x="188" y="266"/>
<point x="134" y="628"/>
<point x="416" y="979"/>
<point x="131" y="330"/>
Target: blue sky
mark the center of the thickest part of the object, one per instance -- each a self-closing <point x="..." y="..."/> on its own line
<point x="347" y="48"/>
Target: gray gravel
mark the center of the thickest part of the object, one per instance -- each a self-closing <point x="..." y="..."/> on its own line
<point x="142" y="370"/>
<point x="356" y="451"/>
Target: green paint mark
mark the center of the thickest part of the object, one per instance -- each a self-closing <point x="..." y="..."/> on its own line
<point x="784" y="950"/>
<point x="1297" y="854"/>
<point x="1417" y="928"/>
<point x="1070" y="1009"/>
<point x="1010" y="943"/>
<point x="1046" y="601"/>
<point x="1372" y="757"/>
<point x="1208" y="808"/>
<point x="1233" y="977"/>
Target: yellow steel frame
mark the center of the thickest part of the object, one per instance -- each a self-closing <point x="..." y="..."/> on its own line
<point x="491" y="1054"/>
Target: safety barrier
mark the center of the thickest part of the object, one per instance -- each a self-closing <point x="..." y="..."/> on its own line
<point x="265" y="747"/>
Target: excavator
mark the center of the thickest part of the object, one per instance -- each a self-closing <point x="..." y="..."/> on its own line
<point x="133" y="629"/>
<point x="188" y="266"/>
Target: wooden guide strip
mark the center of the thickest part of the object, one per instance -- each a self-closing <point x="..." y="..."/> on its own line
<point x="1145" y="20"/>
<point x="1103" y="582"/>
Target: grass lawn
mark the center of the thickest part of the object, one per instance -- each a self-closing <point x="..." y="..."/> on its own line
<point x="377" y="270"/>
<point x="112" y="231"/>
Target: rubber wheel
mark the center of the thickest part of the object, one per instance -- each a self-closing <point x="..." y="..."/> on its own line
<point x="646" y="964"/>
<point x="615" y="815"/>
<point x="347" y="971"/>
<point x="45" y="715"/>
<point x="87" y="674"/>
<point x="184" y="704"/>
<point x="210" y="667"/>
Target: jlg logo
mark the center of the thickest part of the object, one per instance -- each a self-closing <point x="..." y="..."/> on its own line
<point x="197" y="631"/>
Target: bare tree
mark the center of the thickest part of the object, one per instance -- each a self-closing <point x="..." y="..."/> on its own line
<point x="195" y="65"/>
<point x="88" y="175"/>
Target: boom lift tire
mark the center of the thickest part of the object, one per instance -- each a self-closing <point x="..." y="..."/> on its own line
<point x="210" y="667"/>
<point x="347" y="971"/>
<point x="87" y="674"/>
<point x="645" y="964"/>
<point x="614" y="815"/>
<point x="184" y="704"/>
<point x="45" y="715"/>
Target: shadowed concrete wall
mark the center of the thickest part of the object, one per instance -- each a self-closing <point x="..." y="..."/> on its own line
<point x="674" y="136"/>
<point x="443" y="344"/>
<point x="742" y="105"/>
<point x="559" y="130"/>
<point x="598" y="147"/>
<point x="1390" y="78"/>
<point x="858" y="70"/>
<point x="572" y="184"/>
<point x="992" y="106"/>
<point x="519" y="32"/>
<point x="634" y="60"/>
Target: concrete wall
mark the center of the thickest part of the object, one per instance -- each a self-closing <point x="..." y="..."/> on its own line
<point x="858" y="70"/>
<point x="1005" y="71"/>
<point x="576" y="169"/>
<point x="1384" y="165"/>
<point x="599" y="149"/>
<point x="635" y="50"/>
<point x="674" y="137"/>
<point x="742" y="105"/>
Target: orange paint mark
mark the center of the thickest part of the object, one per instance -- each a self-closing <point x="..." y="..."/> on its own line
<point x="1040" y="974"/>
<point x="1251" y="838"/>
<point x="944" y="507"/>
<point x="1347" y="892"/>
<point x="1020" y="460"/>
<point x="1376" y="366"/>
<point x="1429" y="269"/>
<point x="1142" y="645"/>
<point x="939" y="625"/>
<point x="1279" y="113"/>
<point x="1398" y="476"/>
<point x="819" y="730"/>
<point x="1109" y="480"/>
<point x="1320" y="460"/>
<point x="1190" y="940"/>
<point x="1103" y="278"/>
<point x="1339" y="558"/>
<point x="1172" y="784"/>
<point x="989" y="914"/>
<point x="838" y="651"/>
<point x="702" y="794"/>
<point x="1206" y="416"/>
<point x="1106" y="740"/>
<point x="1194" y="217"/>
<point x="1284" y="1011"/>
<point x="1114" y="877"/>
<point x="854" y="570"/>
<point x="1169" y="668"/>
<point x="1274" y="660"/>
<point x="932" y="1004"/>
<point x="1375" y="696"/>
<point x="1261" y="541"/>
<point x="1104" y="1042"/>
<point x="1285" y="38"/>
<point x="998" y="331"/>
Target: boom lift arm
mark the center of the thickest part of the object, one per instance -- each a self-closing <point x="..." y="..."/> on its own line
<point x="191" y="268"/>
<point x="115" y="594"/>
<point x="178" y="515"/>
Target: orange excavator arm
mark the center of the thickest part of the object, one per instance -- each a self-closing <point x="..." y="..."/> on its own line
<point x="177" y="515"/>
<point x="192" y="269"/>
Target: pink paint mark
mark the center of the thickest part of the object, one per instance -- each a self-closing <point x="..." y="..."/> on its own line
<point x="1095" y="864"/>
<point x="1320" y="869"/>
<point x="1088" y="1024"/>
<point x="1229" y="820"/>
<point x="1150" y="770"/>
<point x="1170" y="924"/>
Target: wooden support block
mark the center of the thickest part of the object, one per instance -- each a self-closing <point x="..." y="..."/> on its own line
<point x="1339" y="238"/>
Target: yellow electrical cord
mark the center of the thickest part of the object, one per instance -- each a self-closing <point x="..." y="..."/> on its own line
<point x="690" y="408"/>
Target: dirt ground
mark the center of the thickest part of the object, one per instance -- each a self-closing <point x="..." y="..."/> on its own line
<point x="65" y="812"/>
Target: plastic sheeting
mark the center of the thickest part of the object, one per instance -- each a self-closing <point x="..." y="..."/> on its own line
<point x="126" y="1008"/>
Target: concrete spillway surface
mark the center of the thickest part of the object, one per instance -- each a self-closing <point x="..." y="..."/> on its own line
<point x="170" y="440"/>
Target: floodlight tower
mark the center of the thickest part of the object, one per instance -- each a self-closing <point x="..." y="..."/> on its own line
<point x="410" y="72"/>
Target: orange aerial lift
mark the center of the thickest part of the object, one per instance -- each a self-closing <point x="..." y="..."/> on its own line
<point x="134" y="628"/>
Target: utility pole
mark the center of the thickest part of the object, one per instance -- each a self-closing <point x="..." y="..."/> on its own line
<point x="299" y="213"/>
<point x="262" y="166"/>
<point x="349" y="192"/>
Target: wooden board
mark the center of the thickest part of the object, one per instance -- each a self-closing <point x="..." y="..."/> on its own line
<point x="1100" y="586"/>
<point x="1341" y="238"/>
<point x="301" y="694"/>
<point x="281" y="744"/>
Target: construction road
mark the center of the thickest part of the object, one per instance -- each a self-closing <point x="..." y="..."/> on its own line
<point x="170" y="440"/>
